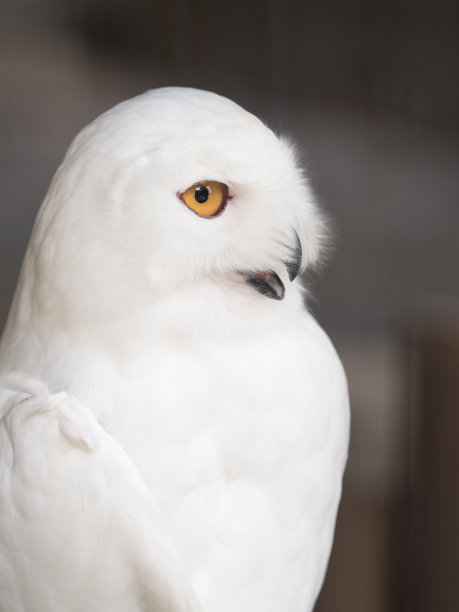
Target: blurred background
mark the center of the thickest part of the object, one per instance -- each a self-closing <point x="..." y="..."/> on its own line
<point x="369" y="90"/>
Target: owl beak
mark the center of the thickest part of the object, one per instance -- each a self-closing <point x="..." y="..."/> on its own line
<point x="293" y="263"/>
<point x="268" y="282"/>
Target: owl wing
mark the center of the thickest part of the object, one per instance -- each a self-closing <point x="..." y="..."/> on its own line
<point x="79" y="529"/>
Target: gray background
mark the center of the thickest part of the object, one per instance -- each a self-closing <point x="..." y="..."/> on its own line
<point x="370" y="93"/>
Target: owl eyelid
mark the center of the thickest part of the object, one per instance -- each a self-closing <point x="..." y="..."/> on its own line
<point x="204" y="183"/>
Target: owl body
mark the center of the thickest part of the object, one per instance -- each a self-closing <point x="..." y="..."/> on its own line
<point x="247" y="473"/>
<point x="186" y="435"/>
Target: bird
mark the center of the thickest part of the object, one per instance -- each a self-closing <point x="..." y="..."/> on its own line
<point x="174" y="422"/>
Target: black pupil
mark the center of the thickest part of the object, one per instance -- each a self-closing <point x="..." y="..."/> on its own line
<point x="201" y="194"/>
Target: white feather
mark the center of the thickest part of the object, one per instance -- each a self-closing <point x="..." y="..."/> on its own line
<point x="190" y="449"/>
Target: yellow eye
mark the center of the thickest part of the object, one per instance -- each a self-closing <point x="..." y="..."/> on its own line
<point x="207" y="198"/>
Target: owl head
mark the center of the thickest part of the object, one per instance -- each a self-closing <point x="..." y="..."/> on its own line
<point x="175" y="192"/>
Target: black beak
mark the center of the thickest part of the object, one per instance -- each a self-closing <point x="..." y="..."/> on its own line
<point x="293" y="263"/>
<point x="268" y="282"/>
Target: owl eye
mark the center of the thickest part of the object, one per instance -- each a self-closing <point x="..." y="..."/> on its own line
<point x="207" y="198"/>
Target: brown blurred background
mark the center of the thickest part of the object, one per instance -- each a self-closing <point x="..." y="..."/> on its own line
<point x="369" y="89"/>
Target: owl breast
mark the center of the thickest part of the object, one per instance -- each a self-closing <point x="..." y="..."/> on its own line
<point x="244" y="447"/>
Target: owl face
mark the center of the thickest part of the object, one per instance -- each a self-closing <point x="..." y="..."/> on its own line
<point x="218" y="193"/>
<point x="180" y="185"/>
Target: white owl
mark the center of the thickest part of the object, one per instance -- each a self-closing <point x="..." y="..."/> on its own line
<point x="171" y="439"/>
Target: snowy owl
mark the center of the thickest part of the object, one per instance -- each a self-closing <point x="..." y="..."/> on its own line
<point x="174" y="422"/>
